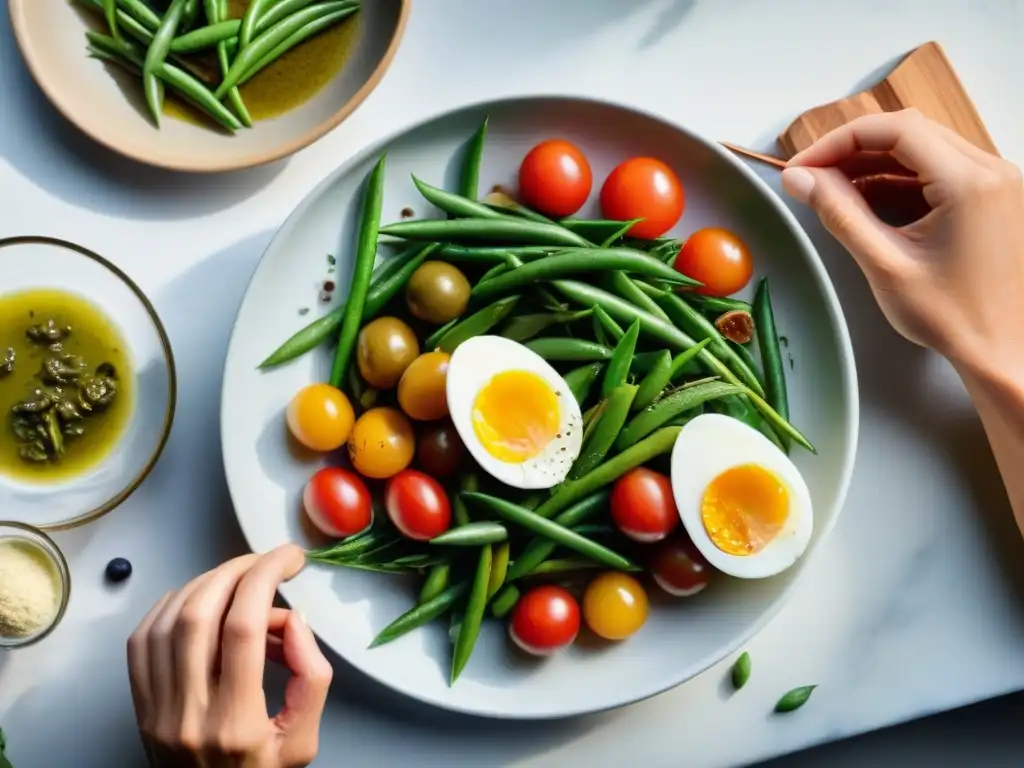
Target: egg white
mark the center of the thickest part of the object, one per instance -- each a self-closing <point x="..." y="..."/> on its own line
<point x="707" y="447"/>
<point x="473" y="364"/>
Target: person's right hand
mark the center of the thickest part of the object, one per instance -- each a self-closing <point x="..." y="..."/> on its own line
<point x="196" y="667"/>
<point x="954" y="279"/>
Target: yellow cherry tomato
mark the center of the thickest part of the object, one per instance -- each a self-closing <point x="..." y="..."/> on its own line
<point x="382" y="443"/>
<point x="615" y="605"/>
<point x="320" y="417"/>
<point x="421" y="392"/>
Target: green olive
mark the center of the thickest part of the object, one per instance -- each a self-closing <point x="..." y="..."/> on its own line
<point x="386" y="347"/>
<point x="437" y="292"/>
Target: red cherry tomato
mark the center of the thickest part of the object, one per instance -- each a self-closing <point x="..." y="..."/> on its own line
<point x="417" y="505"/>
<point x="546" y="619"/>
<point x="555" y="178"/>
<point x="643" y="506"/>
<point x="679" y="568"/>
<point x="717" y="258"/>
<point x="338" y="502"/>
<point x="643" y="188"/>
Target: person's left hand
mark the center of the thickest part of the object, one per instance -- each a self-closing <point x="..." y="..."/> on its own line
<point x="196" y="666"/>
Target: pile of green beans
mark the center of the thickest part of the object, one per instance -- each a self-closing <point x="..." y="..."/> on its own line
<point x="156" y="46"/>
<point x="639" y="352"/>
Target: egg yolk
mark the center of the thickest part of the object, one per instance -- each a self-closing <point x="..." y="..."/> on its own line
<point x="744" y="508"/>
<point x="515" y="416"/>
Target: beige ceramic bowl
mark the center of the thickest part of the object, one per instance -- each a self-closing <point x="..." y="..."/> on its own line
<point x="107" y="103"/>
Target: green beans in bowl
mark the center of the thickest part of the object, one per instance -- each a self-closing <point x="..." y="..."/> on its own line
<point x="207" y="85"/>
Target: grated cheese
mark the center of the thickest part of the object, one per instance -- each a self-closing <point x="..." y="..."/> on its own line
<point x="30" y="589"/>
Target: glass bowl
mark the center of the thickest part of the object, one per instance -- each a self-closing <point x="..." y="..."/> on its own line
<point x="33" y="263"/>
<point x="34" y="537"/>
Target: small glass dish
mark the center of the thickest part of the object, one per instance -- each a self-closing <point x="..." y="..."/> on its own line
<point x="31" y="537"/>
<point x="47" y="264"/>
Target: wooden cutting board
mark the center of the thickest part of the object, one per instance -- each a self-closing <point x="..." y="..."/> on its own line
<point x="923" y="79"/>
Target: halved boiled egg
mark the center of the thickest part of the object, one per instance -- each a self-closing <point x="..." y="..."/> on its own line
<point x="514" y="412"/>
<point x="741" y="500"/>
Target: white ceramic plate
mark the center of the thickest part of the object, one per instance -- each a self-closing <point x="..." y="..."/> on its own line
<point x="346" y="609"/>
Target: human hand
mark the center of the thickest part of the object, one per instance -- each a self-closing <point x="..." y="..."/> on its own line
<point x="952" y="280"/>
<point x="196" y="666"/>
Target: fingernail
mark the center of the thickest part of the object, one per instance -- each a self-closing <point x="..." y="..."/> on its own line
<point x="798" y="182"/>
<point x="301" y="616"/>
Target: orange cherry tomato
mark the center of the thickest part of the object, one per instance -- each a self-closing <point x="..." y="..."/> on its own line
<point x="545" y="619"/>
<point x="338" y="502"/>
<point x="421" y="390"/>
<point x="382" y="443"/>
<point x="555" y="178"/>
<point x="717" y="258"/>
<point x="320" y="417"/>
<point x="615" y="605"/>
<point x="643" y="188"/>
<point x="643" y="506"/>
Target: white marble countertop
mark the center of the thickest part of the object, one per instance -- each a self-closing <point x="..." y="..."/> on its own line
<point x="915" y="604"/>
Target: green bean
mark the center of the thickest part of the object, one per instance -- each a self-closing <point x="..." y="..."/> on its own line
<point x="468" y="482"/>
<point x="605" y="431"/>
<point x="130" y="56"/>
<point x="505" y="229"/>
<point x="595" y="230"/>
<point x="501" y="202"/>
<point x="476" y="604"/>
<point x="338" y="12"/>
<point x="610" y="326"/>
<point x="205" y="37"/>
<point x="476" y="324"/>
<point x="743" y="353"/>
<point x="581" y="380"/>
<point x="563" y="349"/>
<point x="260" y="51"/>
<point x="620" y="233"/>
<point x="618" y="367"/>
<point x="488" y="254"/>
<point x="142" y="13"/>
<point x="366" y="254"/>
<point x="655" y="381"/>
<point x="469" y="180"/>
<point x="524" y="327"/>
<point x="692" y="322"/>
<point x="505" y="601"/>
<point x="110" y="13"/>
<point x="455" y="205"/>
<point x="715" y="305"/>
<point x="155" y="55"/>
<point x="126" y="22"/>
<point x="620" y="309"/>
<point x="282" y="9"/>
<point x="651" y="290"/>
<point x="620" y="284"/>
<point x="670" y="406"/>
<point x="217" y="12"/>
<point x="253" y="11"/>
<point x="771" y="355"/>
<point x="552" y="530"/>
<point x="564" y="565"/>
<point x="189" y="16"/>
<point x="351" y="547"/>
<point x="472" y="535"/>
<point x="594" y="529"/>
<point x="571" y="491"/>
<point x="499" y="568"/>
<point x="388" y="281"/>
<point x="572" y="263"/>
<point x="540" y="548"/>
<point x="497" y="269"/>
<point x="420" y="560"/>
<point x="420" y="615"/>
<point x="781" y="425"/>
